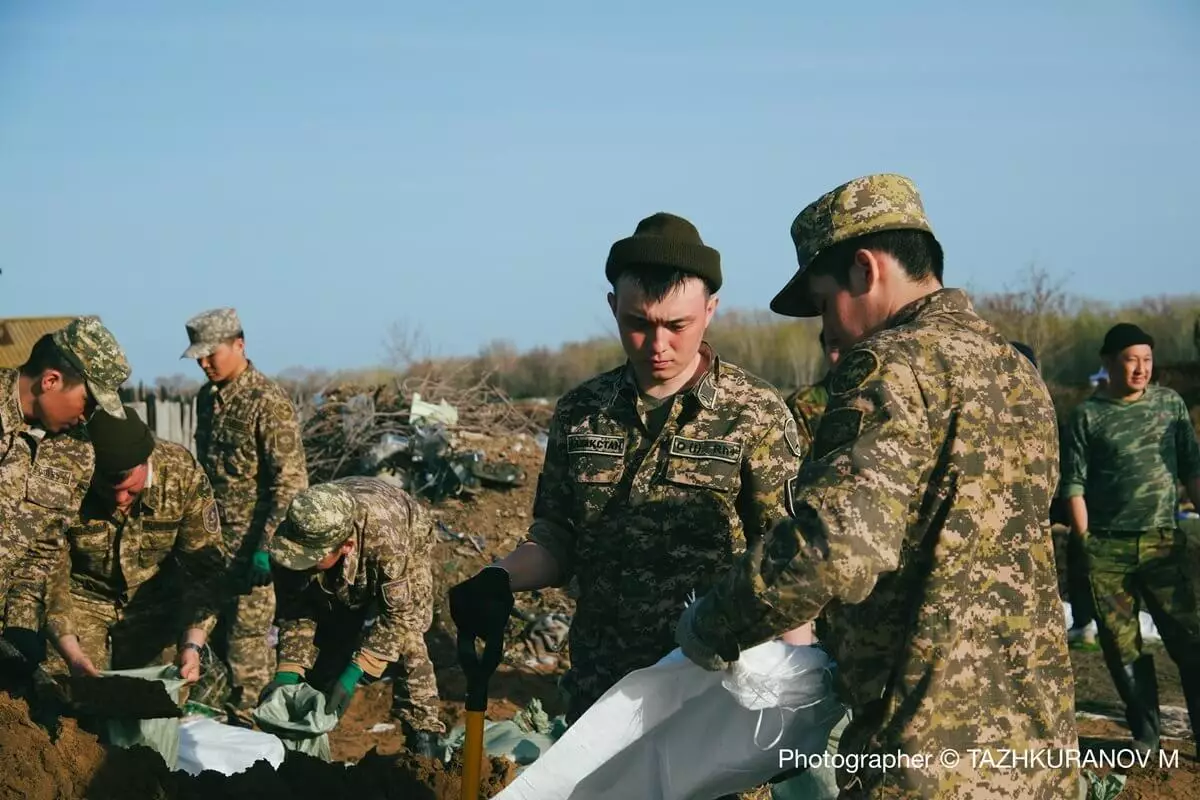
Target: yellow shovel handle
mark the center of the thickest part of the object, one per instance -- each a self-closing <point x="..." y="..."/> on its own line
<point x="472" y="755"/>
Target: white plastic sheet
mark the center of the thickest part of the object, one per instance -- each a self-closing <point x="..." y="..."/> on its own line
<point x="205" y="744"/>
<point x="674" y="731"/>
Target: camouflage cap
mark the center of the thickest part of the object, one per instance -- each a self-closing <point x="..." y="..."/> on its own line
<point x="207" y="330"/>
<point x="318" y="519"/>
<point x="864" y="205"/>
<point x="93" y="350"/>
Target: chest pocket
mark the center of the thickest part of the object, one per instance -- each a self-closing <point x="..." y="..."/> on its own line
<point x="158" y="537"/>
<point x="91" y="548"/>
<point x="713" y="464"/>
<point x="235" y="440"/>
<point x="596" y="458"/>
<point x="51" y="487"/>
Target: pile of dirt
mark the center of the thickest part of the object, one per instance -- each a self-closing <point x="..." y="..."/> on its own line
<point x="72" y="765"/>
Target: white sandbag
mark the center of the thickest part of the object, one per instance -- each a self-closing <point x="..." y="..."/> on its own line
<point x="674" y="731"/>
<point x="205" y="744"/>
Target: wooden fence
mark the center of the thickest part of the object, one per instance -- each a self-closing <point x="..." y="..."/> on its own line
<point x="171" y="420"/>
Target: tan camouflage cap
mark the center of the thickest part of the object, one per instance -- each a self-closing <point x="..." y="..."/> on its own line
<point x="864" y="205"/>
<point x="207" y="330"/>
<point x="93" y="350"/>
<point x="318" y="520"/>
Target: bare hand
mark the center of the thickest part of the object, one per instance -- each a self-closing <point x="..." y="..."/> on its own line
<point x="188" y="662"/>
<point x="83" y="667"/>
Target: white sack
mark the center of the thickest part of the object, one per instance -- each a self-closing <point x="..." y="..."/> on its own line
<point x="674" y="731"/>
<point x="205" y="744"/>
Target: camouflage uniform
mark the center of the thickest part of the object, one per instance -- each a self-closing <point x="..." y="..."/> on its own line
<point x="44" y="477"/>
<point x="807" y="405"/>
<point x="919" y="540"/>
<point x="144" y="578"/>
<point x="640" y="515"/>
<point x="1125" y="459"/>
<point x="387" y="578"/>
<point x="248" y="441"/>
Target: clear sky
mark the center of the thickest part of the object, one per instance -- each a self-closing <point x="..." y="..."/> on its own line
<point x="333" y="168"/>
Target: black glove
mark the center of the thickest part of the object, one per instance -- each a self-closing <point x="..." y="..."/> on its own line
<point x="480" y="605"/>
<point x="422" y="743"/>
<point x="26" y="649"/>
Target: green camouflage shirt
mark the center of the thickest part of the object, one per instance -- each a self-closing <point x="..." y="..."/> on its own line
<point x="388" y="573"/>
<point x="920" y="542"/>
<point x="1126" y="459"/>
<point x="167" y="550"/>
<point x="640" y="520"/>
<point x="43" y="479"/>
<point x="248" y="441"/>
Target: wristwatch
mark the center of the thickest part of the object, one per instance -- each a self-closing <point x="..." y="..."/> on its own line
<point x="192" y="646"/>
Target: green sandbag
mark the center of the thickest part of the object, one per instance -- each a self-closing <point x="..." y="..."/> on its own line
<point x="160" y="735"/>
<point x="297" y="715"/>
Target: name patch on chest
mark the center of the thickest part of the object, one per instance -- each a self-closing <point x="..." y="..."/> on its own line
<point x="596" y="443"/>
<point x="717" y="449"/>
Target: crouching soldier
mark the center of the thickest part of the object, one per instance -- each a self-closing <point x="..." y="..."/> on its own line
<point x="139" y="587"/>
<point x="349" y="551"/>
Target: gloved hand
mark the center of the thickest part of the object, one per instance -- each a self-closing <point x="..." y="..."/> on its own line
<point x="260" y="570"/>
<point x="699" y="652"/>
<point x="25" y="645"/>
<point x="280" y="679"/>
<point x="481" y="604"/>
<point x="15" y="664"/>
<point x="422" y="743"/>
<point x="343" y="690"/>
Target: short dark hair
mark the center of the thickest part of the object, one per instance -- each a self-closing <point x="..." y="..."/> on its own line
<point x="47" y="355"/>
<point x="918" y="252"/>
<point x="658" y="281"/>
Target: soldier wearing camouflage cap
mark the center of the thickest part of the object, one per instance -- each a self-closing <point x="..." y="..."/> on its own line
<point x="248" y="441"/>
<point x="46" y="461"/>
<point x="350" y="550"/>
<point x="919" y="534"/>
<point x="657" y="473"/>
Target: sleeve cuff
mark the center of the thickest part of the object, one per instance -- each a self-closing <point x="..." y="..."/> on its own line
<point x="288" y="666"/>
<point x="1071" y="490"/>
<point x="371" y="663"/>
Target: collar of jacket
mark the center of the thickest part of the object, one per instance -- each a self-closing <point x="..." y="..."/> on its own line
<point x="705" y="390"/>
<point x="943" y="301"/>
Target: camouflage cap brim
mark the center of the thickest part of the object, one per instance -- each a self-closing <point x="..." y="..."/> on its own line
<point x="794" y="300"/>
<point x="200" y="350"/>
<point x="107" y="399"/>
<point x="289" y="555"/>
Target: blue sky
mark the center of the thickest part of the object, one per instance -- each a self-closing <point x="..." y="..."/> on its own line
<point x="462" y="169"/>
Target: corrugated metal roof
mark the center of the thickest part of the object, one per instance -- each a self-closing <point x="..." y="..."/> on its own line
<point x="18" y="335"/>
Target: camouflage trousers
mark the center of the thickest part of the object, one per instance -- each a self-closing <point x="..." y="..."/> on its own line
<point x="1134" y="571"/>
<point x="116" y="637"/>
<point x="414" y="686"/>
<point x="240" y="638"/>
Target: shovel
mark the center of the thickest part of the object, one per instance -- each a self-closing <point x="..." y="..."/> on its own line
<point x="478" y="671"/>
